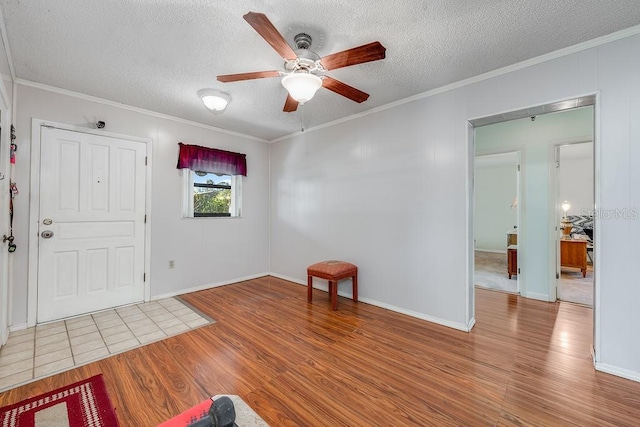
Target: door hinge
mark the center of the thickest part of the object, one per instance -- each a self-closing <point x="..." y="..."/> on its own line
<point x="518" y="270"/>
<point x="557" y="275"/>
<point x="145" y="160"/>
<point x="144" y="277"/>
<point x="518" y="168"/>
<point x="557" y="164"/>
<point x="145" y="218"/>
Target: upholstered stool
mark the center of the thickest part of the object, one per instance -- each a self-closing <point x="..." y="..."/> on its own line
<point x="332" y="271"/>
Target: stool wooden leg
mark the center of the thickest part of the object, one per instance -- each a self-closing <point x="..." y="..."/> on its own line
<point x="355" y="287"/>
<point x="309" y="288"/>
<point x="334" y="295"/>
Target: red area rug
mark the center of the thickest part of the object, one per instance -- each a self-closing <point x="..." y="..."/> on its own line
<point x="82" y="404"/>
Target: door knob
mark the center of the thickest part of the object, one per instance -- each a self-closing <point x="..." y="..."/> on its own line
<point x="47" y="234"/>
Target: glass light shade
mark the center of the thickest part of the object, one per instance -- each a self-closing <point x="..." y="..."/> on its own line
<point x="214" y="100"/>
<point x="565" y="206"/>
<point x="301" y="86"/>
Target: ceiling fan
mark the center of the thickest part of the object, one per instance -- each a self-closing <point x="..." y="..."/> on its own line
<point x="303" y="68"/>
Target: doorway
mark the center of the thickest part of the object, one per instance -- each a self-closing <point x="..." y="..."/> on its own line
<point x="574" y="201"/>
<point x="532" y="131"/>
<point x="496" y="190"/>
<point x="90" y="201"/>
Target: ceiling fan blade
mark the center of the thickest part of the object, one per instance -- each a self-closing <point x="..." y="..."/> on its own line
<point x="226" y="78"/>
<point x="344" y="89"/>
<point x="265" y="28"/>
<point x="357" y="55"/>
<point x="290" y="104"/>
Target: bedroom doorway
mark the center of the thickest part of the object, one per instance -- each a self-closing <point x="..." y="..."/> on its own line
<point x="533" y="131"/>
<point x="574" y="196"/>
<point x="496" y="190"/>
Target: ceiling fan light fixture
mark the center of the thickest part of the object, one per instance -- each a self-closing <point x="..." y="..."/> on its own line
<point x="301" y="86"/>
<point x="214" y="100"/>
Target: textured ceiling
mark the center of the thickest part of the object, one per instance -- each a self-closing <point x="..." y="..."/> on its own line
<point x="156" y="54"/>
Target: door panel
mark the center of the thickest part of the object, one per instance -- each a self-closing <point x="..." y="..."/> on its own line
<point x="92" y="189"/>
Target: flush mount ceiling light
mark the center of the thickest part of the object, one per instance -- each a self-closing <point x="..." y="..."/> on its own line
<point x="301" y="86"/>
<point x="214" y="100"/>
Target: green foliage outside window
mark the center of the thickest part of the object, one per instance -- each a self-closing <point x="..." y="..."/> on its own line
<point x="208" y="200"/>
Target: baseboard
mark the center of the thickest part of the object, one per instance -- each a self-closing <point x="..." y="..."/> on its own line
<point x="539" y="297"/>
<point x="18" y="327"/>
<point x="432" y="319"/>
<point x="619" y="372"/>
<point x="207" y="286"/>
<point x="471" y="324"/>
<point x="493" y="251"/>
<point x="288" y="278"/>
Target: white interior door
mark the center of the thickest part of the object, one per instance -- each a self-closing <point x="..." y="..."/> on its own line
<point x="91" y="223"/>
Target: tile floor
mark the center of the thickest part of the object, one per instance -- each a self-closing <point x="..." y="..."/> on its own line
<point x="46" y="349"/>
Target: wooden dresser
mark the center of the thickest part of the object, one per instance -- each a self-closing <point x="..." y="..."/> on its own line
<point x="573" y="253"/>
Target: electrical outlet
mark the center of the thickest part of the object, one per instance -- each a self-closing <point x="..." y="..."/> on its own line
<point x="172" y="264"/>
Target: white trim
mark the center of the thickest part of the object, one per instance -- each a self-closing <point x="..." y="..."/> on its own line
<point x="521" y="211"/>
<point x="553" y="212"/>
<point x="535" y="295"/>
<point x="614" y="370"/>
<point x="147" y="214"/>
<point x="597" y="147"/>
<point x="85" y="97"/>
<point x="6" y="258"/>
<point x="418" y="315"/>
<point x="5" y="42"/>
<point x="34" y="210"/>
<point x="618" y="35"/>
<point x="18" y="327"/>
<point x="289" y="279"/>
<point x="456" y="85"/>
<point x="493" y="251"/>
<point x="208" y="286"/>
<point x="470" y="230"/>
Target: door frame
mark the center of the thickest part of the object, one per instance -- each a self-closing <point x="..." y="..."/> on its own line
<point x="597" y="153"/>
<point x="554" y="209"/>
<point x="519" y="149"/>
<point x="34" y="211"/>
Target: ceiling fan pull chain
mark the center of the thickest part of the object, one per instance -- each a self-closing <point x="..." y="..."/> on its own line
<point x="301" y="117"/>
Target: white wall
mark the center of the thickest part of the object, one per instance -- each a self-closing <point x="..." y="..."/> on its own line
<point x="333" y="196"/>
<point x="495" y="189"/>
<point x="5" y="122"/>
<point x="5" y="174"/>
<point x="575" y="178"/>
<point x="535" y="249"/>
<point x="206" y="250"/>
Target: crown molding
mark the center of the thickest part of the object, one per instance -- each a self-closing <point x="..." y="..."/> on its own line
<point x="98" y="100"/>
<point x="618" y="35"/>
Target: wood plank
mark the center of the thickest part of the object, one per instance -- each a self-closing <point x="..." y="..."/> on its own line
<point x="526" y="362"/>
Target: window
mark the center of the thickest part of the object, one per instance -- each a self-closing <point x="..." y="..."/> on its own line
<point x="212" y="181"/>
<point x="211" y="195"/>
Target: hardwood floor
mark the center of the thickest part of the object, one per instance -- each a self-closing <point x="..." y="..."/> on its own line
<point x="526" y="362"/>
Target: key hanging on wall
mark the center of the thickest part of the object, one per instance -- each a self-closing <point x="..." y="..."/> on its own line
<point x="14" y="146"/>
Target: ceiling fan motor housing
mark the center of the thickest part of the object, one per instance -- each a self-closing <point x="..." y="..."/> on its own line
<point x="307" y="60"/>
<point x="303" y="41"/>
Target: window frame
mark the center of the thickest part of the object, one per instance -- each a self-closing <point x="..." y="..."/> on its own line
<point x="189" y="185"/>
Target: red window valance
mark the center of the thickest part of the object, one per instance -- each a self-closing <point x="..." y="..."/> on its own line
<point x="203" y="159"/>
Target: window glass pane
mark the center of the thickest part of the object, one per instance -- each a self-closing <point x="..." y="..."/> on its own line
<point x="211" y="194"/>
